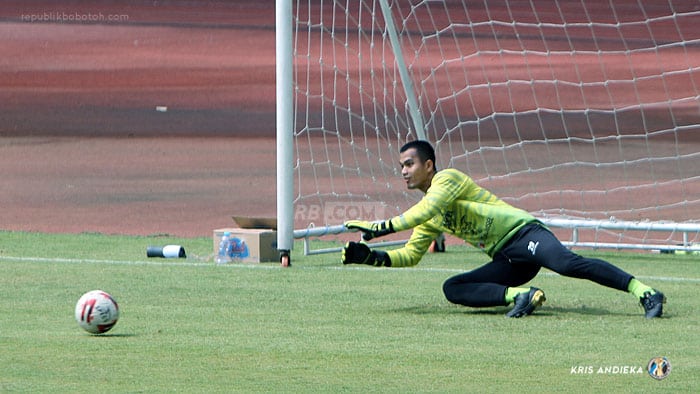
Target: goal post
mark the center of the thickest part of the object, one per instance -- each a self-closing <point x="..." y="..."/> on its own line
<point x="285" y="126"/>
<point x="586" y="113"/>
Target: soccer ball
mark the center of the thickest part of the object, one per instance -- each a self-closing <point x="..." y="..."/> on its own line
<point x="96" y="312"/>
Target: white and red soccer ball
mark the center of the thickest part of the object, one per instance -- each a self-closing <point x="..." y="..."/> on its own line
<point x="96" y="312"/>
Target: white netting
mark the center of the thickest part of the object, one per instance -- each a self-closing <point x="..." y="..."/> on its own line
<point x="578" y="109"/>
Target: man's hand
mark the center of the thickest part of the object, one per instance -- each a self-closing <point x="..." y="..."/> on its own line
<point x="359" y="253"/>
<point x="371" y="229"/>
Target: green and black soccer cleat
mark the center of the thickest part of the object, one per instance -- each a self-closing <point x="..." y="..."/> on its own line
<point x="653" y="304"/>
<point x="525" y="303"/>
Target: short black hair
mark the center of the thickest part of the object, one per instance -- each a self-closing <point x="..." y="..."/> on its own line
<point x="423" y="148"/>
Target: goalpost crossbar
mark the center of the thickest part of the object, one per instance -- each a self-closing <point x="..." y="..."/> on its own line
<point x="574" y="225"/>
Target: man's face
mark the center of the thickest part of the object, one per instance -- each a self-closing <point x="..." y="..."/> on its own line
<point x="415" y="172"/>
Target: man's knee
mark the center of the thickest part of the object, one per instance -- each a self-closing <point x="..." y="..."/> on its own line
<point x="449" y="288"/>
<point x="461" y="292"/>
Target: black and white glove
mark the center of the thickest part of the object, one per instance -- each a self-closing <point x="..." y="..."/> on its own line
<point x="359" y="253"/>
<point x="371" y="229"/>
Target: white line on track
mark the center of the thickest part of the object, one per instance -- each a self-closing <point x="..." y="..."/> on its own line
<point x="202" y="263"/>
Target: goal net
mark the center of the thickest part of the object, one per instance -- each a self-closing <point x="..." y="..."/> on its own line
<point x="577" y="111"/>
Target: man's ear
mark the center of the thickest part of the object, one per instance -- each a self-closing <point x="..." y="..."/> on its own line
<point x="430" y="163"/>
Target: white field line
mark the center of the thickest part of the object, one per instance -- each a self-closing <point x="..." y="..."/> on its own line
<point x="191" y="262"/>
<point x="546" y="273"/>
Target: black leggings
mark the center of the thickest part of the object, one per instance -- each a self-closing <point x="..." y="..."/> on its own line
<point x="530" y="249"/>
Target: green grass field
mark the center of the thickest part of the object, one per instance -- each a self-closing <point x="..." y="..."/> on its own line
<point x="189" y="325"/>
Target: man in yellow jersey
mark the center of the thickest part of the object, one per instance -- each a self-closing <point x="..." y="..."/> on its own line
<point x="518" y="244"/>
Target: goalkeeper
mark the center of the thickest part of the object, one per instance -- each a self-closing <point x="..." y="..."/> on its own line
<point x="518" y="244"/>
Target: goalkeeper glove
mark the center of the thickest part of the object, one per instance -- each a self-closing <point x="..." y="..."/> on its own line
<point x="359" y="253"/>
<point x="371" y="229"/>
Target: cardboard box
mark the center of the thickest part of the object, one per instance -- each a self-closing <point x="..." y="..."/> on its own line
<point x="250" y="245"/>
<point x="253" y="222"/>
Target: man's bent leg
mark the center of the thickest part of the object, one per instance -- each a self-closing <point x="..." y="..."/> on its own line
<point x="486" y="286"/>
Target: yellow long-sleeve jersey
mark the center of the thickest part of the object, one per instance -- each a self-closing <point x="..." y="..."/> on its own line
<point x="455" y="204"/>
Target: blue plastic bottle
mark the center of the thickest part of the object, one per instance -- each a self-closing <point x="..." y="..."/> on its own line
<point x="223" y="256"/>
